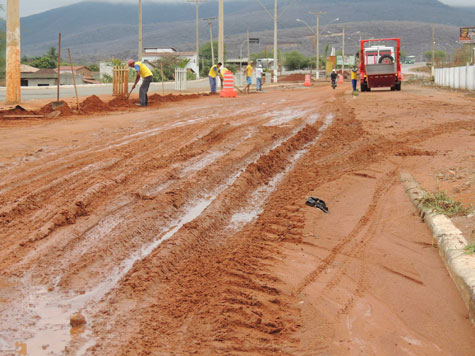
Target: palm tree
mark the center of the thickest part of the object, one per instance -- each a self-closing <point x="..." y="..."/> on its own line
<point x="52" y="53"/>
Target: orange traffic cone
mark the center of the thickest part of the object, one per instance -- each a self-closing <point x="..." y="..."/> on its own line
<point x="228" y="86"/>
<point x="340" y="79"/>
<point x="307" y="81"/>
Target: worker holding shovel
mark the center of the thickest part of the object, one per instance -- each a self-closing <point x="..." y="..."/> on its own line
<point x="146" y="75"/>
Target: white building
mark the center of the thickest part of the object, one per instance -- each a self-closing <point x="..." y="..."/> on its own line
<point x="152" y="54"/>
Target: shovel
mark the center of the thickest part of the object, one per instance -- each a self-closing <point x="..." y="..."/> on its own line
<point x="127" y="98"/>
<point x="57" y="104"/>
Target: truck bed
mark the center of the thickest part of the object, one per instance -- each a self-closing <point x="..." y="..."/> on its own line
<point x="381" y="68"/>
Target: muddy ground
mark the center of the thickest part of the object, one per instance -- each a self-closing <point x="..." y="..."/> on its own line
<point x="182" y="229"/>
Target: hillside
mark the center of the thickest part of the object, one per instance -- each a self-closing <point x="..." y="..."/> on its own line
<point x="95" y="30"/>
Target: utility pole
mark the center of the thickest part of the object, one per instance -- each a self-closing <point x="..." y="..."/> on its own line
<point x="433" y="51"/>
<point x="248" y="47"/>
<point x="221" y="33"/>
<point x="343" y="55"/>
<point x="197" y="2"/>
<point x="140" y="32"/>
<point x="318" y="13"/>
<point x="276" y="15"/>
<point x="210" y="24"/>
<point x="197" y="30"/>
<point x="13" y="71"/>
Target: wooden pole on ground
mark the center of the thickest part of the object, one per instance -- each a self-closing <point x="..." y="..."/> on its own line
<point x="161" y="72"/>
<point x="74" y="79"/>
<point x="59" y="65"/>
<point x="126" y="80"/>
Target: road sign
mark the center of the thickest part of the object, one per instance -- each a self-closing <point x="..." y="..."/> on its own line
<point x="467" y="35"/>
<point x="253" y="40"/>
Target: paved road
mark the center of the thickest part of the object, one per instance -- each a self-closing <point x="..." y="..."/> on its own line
<point x="67" y="91"/>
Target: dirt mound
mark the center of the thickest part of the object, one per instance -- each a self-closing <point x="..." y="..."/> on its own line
<point x="156" y="98"/>
<point x="121" y="102"/>
<point x="14" y="111"/>
<point x="293" y="78"/>
<point x="93" y="104"/>
<point x="65" y="110"/>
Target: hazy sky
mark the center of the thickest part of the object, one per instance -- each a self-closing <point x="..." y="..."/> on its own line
<point x="30" y="7"/>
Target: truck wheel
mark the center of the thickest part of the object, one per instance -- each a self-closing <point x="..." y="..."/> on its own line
<point x="386" y="59"/>
<point x="398" y="86"/>
<point x="363" y="87"/>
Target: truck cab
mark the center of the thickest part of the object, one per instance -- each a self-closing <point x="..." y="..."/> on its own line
<point x="380" y="65"/>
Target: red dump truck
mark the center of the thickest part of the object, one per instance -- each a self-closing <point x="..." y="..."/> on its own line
<point x="380" y="64"/>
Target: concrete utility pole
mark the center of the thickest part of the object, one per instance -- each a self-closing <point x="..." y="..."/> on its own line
<point x="210" y="24"/>
<point x="433" y="51"/>
<point x="13" y="71"/>
<point x="140" y="54"/>
<point x="318" y="13"/>
<point x="248" y="47"/>
<point x="221" y="33"/>
<point x="276" y="15"/>
<point x="197" y="2"/>
<point x="343" y="55"/>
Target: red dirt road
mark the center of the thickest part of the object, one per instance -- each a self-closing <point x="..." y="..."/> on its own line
<point x="183" y="230"/>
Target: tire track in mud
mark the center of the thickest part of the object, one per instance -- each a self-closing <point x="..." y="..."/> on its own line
<point x="349" y="240"/>
<point x="273" y="134"/>
<point x="33" y="199"/>
<point x="201" y="236"/>
<point x="249" y="259"/>
<point x="241" y="283"/>
<point x="209" y="287"/>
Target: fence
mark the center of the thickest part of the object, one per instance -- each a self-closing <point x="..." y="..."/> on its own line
<point x="180" y="79"/>
<point x="456" y="77"/>
<point x="120" y="81"/>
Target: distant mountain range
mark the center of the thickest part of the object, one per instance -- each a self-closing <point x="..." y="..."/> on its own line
<point x="99" y="30"/>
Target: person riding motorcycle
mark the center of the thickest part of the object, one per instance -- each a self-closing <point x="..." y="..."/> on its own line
<point x="333" y="77"/>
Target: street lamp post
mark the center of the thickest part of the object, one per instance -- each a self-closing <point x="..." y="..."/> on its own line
<point x="221" y="33"/>
<point x="210" y="24"/>
<point x="343" y="55"/>
<point x="140" y="54"/>
<point x="197" y="2"/>
<point x="314" y="40"/>
<point x="318" y="13"/>
<point x="248" y="41"/>
<point x="275" y="41"/>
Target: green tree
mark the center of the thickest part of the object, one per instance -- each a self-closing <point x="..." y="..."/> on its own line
<point x="439" y="56"/>
<point x="52" y="54"/>
<point x="93" y="68"/>
<point x="43" y="62"/>
<point x="169" y="63"/>
<point x="404" y="55"/>
<point x="463" y="55"/>
<point x="205" y="57"/>
<point x="295" y="60"/>
<point x="325" y="51"/>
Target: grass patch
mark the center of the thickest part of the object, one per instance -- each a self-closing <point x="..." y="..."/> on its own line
<point x="441" y="203"/>
<point x="470" y="249"/>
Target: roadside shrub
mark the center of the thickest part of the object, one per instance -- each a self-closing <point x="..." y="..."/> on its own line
<point x="441" y="203"/>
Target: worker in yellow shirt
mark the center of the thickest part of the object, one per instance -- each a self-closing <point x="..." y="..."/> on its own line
<point x="213" y="73"/>
<point x="146" y="75"/>
<point x="222" y="71"/>
<point x="248" y="72"/>
<point x="354" y="77"/>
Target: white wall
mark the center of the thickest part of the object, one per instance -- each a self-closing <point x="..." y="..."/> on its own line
<point x="456" y="77"/>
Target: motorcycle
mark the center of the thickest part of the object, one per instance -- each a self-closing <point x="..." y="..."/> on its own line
<point x="334" y="83"/>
